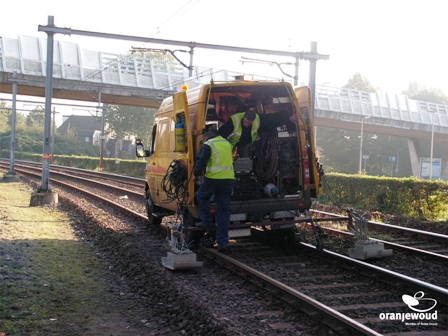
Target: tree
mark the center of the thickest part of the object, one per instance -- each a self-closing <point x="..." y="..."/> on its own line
<point x="359" y="82"/>
<point x="155" y="54"/>
<point x="125" y="121"/>
<point x="36" y="117"/>
<point x="338" y="152"/>
<point x="421" y="92"/>
<point x="5" y="117"/>
<point x="5" y="111"/>
<point x="164" y="55"/>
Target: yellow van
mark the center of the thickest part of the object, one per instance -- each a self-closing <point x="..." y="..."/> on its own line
<point x="274" y="184"/>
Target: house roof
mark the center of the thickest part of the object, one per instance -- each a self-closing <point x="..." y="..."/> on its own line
<point x="83" y="125"/>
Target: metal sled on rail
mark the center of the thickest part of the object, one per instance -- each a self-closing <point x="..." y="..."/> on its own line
<point x="364" y="247"/>
<point x="180" y="257"/>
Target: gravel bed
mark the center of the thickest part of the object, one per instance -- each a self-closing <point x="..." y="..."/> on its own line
<point x="209" y="301"/>
<point x="318" y="277"/>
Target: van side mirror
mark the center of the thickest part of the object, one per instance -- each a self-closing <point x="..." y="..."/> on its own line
<point x="140" y="149"/>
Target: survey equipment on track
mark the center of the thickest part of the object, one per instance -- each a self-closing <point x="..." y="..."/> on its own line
<point x="365" y="248"/>
<point x="179" y="256"/>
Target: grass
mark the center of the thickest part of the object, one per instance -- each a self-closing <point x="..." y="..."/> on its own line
<point x="382" y="236"/>
<point x="50" y="281"/>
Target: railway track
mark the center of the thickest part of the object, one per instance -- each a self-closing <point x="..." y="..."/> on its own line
<point x="423" y="244"/>
<point x="347" y="294"/>
<point x="331" y="288"/>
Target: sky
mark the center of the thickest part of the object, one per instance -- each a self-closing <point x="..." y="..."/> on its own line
<point x="389" y="42"/>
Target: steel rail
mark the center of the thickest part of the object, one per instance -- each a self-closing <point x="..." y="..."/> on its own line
<point x="95" y="196"/>
<point x="393" y="278"/>
<point x="436" y="236"/>
<point x="329" y="316"/>
<point x="436" y="257"/>
<point x="105" y="175"/>
<point x="88" y="174"/>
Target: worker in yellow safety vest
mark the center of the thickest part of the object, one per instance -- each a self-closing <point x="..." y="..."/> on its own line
<point x="242" y="128"/>
<point x="215" y="158"/>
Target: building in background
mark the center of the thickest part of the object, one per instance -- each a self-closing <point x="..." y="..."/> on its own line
<point x="88" y="131"/>
<point x="87" y="128"/>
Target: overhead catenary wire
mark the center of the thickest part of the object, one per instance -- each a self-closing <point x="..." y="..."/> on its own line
<point x="178" y="13"/>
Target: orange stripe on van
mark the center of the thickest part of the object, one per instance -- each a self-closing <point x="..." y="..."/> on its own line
<point x="156" y="169"/>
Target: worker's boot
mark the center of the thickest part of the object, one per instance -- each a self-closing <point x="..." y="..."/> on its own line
<point x="209" y="239"/>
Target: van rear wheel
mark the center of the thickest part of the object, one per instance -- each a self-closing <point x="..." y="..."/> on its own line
<point x="150" y="209"/>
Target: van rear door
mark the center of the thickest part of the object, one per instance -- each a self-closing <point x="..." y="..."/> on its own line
<point x="303" y="95"/>
<point x="181" y="110"/>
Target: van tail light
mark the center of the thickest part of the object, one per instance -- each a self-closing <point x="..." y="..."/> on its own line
<point x="306" y="168"/>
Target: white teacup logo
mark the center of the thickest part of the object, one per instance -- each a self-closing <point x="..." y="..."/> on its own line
<point x="416" y="300"/>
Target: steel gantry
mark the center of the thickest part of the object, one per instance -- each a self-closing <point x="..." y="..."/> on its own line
<point x="50" y="29"/>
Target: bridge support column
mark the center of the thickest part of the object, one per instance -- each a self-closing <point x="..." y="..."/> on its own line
<point x="444" y="175"/>
<point x="415" y="157"/>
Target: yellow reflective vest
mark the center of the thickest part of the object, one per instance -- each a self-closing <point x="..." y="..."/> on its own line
<point x="237" y="120"/>
<point x="220" y="164"/>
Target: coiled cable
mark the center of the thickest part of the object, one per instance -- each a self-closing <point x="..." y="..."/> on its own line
<point x="173" y="183"/>
<point x="266" y="156"/>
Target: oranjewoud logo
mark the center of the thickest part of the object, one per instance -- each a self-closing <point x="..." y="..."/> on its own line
<point x="420" y="305"/>
<point x="415" y="301"/>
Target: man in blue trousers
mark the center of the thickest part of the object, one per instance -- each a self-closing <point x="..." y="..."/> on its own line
<point x="215" y="158"/>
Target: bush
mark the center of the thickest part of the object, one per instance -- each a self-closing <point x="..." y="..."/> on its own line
<point x="404" y="196"/>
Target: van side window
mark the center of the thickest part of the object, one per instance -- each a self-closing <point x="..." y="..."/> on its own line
<point x="153" y="138"/>
<point x="163" y="133"/>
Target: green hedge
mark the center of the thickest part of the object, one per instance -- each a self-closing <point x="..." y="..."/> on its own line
<point x="404" y="196"/>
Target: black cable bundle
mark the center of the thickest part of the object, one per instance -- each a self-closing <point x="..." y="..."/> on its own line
<point x="266" y="160"/>
<point x="173" y="183"/>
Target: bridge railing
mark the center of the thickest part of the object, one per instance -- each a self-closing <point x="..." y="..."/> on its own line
<point x="204" y="75"/>
<point x="27" y="55"/>
<point x="381" y="108"/>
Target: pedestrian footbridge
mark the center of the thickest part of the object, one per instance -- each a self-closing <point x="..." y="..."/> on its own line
<point x="380" y="113"/>
<point x="134" y="80"/>
<point x="81" y="74"/>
